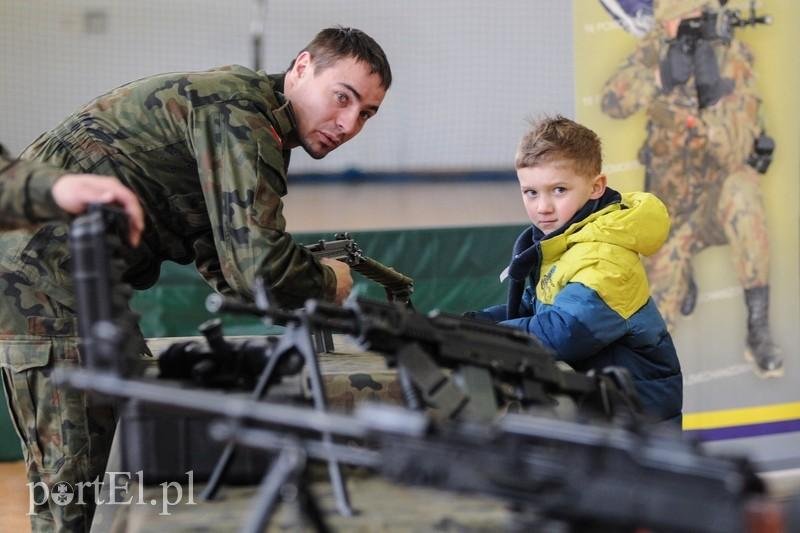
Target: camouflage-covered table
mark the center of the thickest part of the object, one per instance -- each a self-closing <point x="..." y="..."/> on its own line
<point x="350" y="376"/>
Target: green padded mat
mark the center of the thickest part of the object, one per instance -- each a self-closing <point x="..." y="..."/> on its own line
<point x="454" y="269"/>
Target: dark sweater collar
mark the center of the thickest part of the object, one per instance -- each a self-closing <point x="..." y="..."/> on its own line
<point x="525" y="253"/>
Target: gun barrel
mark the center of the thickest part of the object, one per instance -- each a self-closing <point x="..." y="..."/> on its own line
<point x="213" y="403"/>
<point x="753" y="20"/>
<point x="216" y="303"/>
<point x="398" y="284"/>
<point x="383" y="274"/>
<point x="265" y="439"/>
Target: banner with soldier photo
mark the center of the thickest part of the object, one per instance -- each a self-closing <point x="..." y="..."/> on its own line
<point x="696" y="101"/>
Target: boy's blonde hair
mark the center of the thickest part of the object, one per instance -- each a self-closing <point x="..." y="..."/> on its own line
<point x="560" y="139"/>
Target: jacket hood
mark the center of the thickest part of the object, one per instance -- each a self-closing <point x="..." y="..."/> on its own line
<point x="640" y="223"/>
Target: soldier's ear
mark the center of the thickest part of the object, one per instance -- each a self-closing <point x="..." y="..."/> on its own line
<point x="300" y="68"/>
<point x="598" y="186"/>
<point x="302" y="64"/>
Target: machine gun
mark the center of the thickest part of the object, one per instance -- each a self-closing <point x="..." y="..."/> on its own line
<point x="399" y="287"/>
<point x="455" y="365"/>
<point x="589" y="477"/>
<point x="460" y="367"/>
<point x="717" y="25"/>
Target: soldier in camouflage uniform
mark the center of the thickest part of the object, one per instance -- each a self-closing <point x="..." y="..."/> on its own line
<point x="207" y="155"/>
<point x="32" y="193"/>
<point x="700" y="133"/>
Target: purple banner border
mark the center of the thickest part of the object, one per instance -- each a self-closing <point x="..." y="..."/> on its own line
<point x="751" y="430"/>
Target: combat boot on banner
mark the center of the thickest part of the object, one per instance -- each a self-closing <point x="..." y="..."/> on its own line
<point x="760" y="348"/>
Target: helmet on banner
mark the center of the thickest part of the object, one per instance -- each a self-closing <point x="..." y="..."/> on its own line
<point x="672" y="9"/>
<point x="635" y="16"/>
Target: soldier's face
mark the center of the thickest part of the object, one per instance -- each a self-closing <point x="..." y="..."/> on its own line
<point x="552" y="193"/>
<point x="333" y="104"/>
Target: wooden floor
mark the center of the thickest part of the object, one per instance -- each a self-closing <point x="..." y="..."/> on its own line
<point x="13" y="498"/>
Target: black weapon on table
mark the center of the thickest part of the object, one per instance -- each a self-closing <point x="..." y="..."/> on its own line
<point x="292" y="350"/>
<point x="251" y="364"/>
<point x="590" y="477"/>
<point x="399" y="287"/>
<point x="220" y="363"/>
<point x="454" y="365"/>
<point x="95" y="241"/>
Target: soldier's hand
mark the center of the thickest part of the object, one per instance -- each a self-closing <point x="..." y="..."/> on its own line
<point x="344" y="280"/>
<point x="74" y="192"/>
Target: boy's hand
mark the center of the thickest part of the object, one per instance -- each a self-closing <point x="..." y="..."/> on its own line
<point x="344" y="280"/>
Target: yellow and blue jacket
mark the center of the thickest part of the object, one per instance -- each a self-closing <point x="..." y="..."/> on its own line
<point x="591" y="303"/>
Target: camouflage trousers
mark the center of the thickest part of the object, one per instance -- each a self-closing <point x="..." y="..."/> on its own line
<point x="729" y="213"/>
<point x="65" y="435"/>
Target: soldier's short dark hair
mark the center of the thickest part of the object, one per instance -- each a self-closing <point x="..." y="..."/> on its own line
<point x="560" y="139"/>
<point x="333" y="44"/>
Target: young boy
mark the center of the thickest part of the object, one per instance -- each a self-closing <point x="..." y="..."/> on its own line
<point x="588" y="298"/>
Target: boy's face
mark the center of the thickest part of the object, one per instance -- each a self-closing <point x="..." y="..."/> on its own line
<point x="331" y="105"/>
<point x="552" y="193"/>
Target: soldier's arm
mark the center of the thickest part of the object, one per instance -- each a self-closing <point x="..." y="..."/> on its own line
<point x="208" y="265"/>
<point x="32" y="192"/>
<point x="635" y="83"/>
<point x="25" y="192"/>
<point x="732" y="124"/>
<point x="241" y="172"/>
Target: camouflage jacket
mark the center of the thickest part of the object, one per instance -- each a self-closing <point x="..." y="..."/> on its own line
<point x="25" y="192"/>
<point x="686" y="148"/>
<point x="206" y="154"/>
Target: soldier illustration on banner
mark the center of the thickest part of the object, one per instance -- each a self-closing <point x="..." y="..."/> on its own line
<point x="705" y="153"/>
